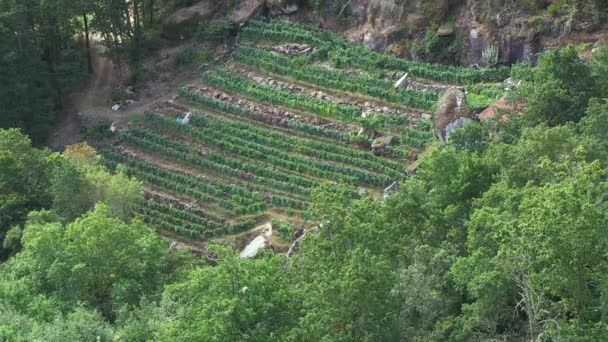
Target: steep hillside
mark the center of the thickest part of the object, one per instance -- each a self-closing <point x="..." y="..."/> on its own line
<point x="450" y="31"/>
<point x="292" y="108"/>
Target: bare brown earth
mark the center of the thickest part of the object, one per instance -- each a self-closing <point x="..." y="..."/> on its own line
<point x="91" y="103"/>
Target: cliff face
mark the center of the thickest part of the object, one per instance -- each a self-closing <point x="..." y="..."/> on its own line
<point x="459" y="31"/>
<point x="455" y="31"/>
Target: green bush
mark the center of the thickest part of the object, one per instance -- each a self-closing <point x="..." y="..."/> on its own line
<point x="191" y="55"/>
<point x="490" y="55"/>
<point x="286" y="230"/>
<point x="216" y="31"/>
<point x="100" y="131"/>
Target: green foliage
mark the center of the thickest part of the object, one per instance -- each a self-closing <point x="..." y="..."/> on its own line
<point x="99" y="260"/>
<point x="285" y="229"/>
<point x="239" y="111"/>
<point x="361" y="83"/>
<point x="226" y="80"/>
<point x="418" y="136"/>
<point x="79" y="182"/>
<point x="24" y="179"/>
<point x="471" y="137"/>
<point x="599" y="68"/>
<point x="500" y="235"/>
<point x="191" y="55"/>
<point x="560" y="89"/>
<point x="344" y="54"/>
<point x="100" y="131"/>
<point x="239" y="299"/>
<point x="490" y="55"/>
<point x="216" y="31"/>
<point x="442" y="49"/>
<point x="480" y="96"/>
<point x="522" y="71"/>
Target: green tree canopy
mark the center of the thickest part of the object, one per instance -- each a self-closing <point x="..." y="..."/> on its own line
<point x="97" y="259"/>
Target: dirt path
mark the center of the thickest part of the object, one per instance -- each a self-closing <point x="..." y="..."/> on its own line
<point x="99" y="88"/>
<point x="91" y="103"/>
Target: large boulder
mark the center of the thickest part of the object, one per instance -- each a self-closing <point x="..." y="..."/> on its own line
<point x="248" y="9"/>
<point x="380" y="145"/>
<point x="375" y="40"/>
<point x="183" y="22"/>
<point x="281" y="7"/>
<point x="452" y="106"/>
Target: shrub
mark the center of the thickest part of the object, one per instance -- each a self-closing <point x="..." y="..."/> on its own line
<point x="216" y="31"/>
<point x="190" y="55"/>
<point x="286" y="231"/>
<point x="490" y="55"/>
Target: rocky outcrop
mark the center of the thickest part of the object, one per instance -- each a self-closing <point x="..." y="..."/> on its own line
<point x="375" y="41"/>
<point x="281" y="7"/>
<point x="292" y="49"/>
<point x="249" y="9"/>
<point x="451" y="108"/>
<point x="445" y="30"/>
<point x="182" y="23"/>
<point x="380" y="146"/>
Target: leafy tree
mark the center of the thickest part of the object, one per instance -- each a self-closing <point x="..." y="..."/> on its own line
<point x="24" y="179"/>
<point x="97" y="259"/>
<point x="26" y="98"/>
<point x="453" y="178"/>
<point x="472" y="137"/>
<point x="594" y="129"/>
<point x="561" y="88"/>
<point x="239" y="299"/>
<point x="537" y="249"/>
<point x="79" y="325"/>
<point x="40" y="60"/>
<point x="344" y="272"/>
<point x="80" y="181"/>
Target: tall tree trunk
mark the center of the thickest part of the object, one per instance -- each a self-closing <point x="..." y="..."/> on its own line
<point x="137" y="28"/>
<point x="136" y="20"/>
<point x="163" y="9"/>
<point x="151" y="13"/>
<point x="88" y="45"/>
<point x="144" y="11"/>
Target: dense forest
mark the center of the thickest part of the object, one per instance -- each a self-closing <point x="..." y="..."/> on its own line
<point x="500" y="235"/>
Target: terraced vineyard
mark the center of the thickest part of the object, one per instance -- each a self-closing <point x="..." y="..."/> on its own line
<point x="265" y="128"/>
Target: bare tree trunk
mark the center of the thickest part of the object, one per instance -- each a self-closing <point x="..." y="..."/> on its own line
<point x="151" y="13"/>
<point x="88" y="45"/>
<point x="163" y="9"/>
<point x="137" y="30"/>
<point x="136" y="21"/>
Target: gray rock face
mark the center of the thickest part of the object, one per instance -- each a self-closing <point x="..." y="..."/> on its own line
<point x="380" y="145"/>
<point x="248" y="9"/>
<point x="181" y="24"/>
<point x="454" y="126"/>
<point x="375" y="41"/>
<point x="451" y="107"/>
<point x="511" y="49"/>
<point x="282" y="9"/>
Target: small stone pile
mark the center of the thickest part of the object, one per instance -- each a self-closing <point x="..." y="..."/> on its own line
<point x="292" y="49"/>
